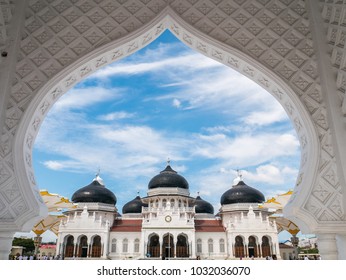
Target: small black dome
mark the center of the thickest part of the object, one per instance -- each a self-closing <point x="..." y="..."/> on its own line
<point x="202" y="206"/>
<point x="168" y="178"/>
<point x="134" y="206"/>
<point x="242" y="193"/>
<point x="94" y="192"/>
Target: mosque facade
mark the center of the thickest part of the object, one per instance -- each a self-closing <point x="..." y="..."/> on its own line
<point x="168" y="223"/>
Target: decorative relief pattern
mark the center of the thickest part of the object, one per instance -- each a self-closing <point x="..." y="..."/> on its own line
<point x="272" y="32"/>
<point x="6" y="11"/>
<point x="334" y="15"/>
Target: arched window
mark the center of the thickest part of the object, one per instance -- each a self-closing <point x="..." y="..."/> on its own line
<point x="222" y="245"/>
<point x="83" y="247"/>
<point x="125" y="245"/>
<point x="210" y="245"/>
<point x="153" y="249"/>
<point x="114" y="245"/>
<point x="164" y="203"/>
<point x="239" y="247"/>
<point x="136" y="246"/>
<point x="265" y="247"/>
<point x="69" y="247"/>
<point x="96" y="247"/>
<point x="172" y="203"/>
<point x="182" y="248"/>
<point x="252" y="247"/>
<point x="199" y="246"/>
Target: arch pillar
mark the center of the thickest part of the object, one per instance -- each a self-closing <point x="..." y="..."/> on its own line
<point x="5" y="244"/>
<point x="341" y="245"/>
<point x="327" y="246"/>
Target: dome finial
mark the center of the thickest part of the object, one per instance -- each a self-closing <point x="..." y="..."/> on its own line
<point x="98" y="178"/>
<point x="239" y="178"/>
<point x="168" y="161"/>
<point x="240" y="174"/>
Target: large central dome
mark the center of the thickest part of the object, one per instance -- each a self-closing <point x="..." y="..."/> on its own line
<point x="168" y="178"/>
<point x="242" y="193"/>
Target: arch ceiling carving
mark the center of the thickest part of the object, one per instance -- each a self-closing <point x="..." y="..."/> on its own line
<point x="270" y="41"/>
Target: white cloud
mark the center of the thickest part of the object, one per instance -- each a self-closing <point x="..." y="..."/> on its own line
<point x="54" y="165"/>
<point x="160" y="63"/>
<point x="246" y="150"/>
<point x="176" y="103"/>
<point x="116" y="116"/>
<point x="126" y="151"/>
<point x="269" y="115"/>
<point x="201" y="83"/>
<point x="78" y="98"/>
<point x="267" y="174"/>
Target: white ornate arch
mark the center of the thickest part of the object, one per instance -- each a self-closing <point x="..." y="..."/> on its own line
<point x="72" y="74"/>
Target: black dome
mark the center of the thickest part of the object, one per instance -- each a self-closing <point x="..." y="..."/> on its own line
<point x="94" y="192"/>
<point x="134" y="206"/>
<point x="168" y="178"/>
<point x="242" y="193"/>
<point x="202" y="206"/>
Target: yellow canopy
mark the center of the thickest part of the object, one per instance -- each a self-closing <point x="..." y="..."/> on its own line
<point x="55" y="204"/>
<point x="284" y="224"/>
<point x="278" y="203"/>
<point x="49" y="223"/>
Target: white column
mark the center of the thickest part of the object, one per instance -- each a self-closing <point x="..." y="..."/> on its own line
<point x="230" y="248"/>
<point x="277" y="249"/>
<point x="327" y="246"/>
<point x="193" y="242"/>
<point x="143" y="245"/>
<point x="106" y="246"/>
<point x="89" y="250"/>
<point x="6" y="239"/>
<point x="59" y="245"/>
<point x="341" y="244"/>
<point x="161" y="243"/>
<point x="334" y="108"/>
<point x="74" y="250"/>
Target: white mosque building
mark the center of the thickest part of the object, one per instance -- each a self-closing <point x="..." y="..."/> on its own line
<point x="167" y="223"/>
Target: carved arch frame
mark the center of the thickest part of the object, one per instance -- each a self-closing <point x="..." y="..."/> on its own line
<point x="58" y="85"/>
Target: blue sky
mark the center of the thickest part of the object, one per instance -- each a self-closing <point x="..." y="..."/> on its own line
<point x="166" y="101"/>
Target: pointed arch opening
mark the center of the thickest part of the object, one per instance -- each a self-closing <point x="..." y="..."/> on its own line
<point x="239" y="248"/>
<point x="182" y="247"/>
<point x="96" y="247"/>
<point x="168" y="246"/>
<point x="252" y="247"/>
<point x="69" y="247"/>
<point x="153" y="247"/>
<point x="83" y="247"/>
<point x="266" y="247"/>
